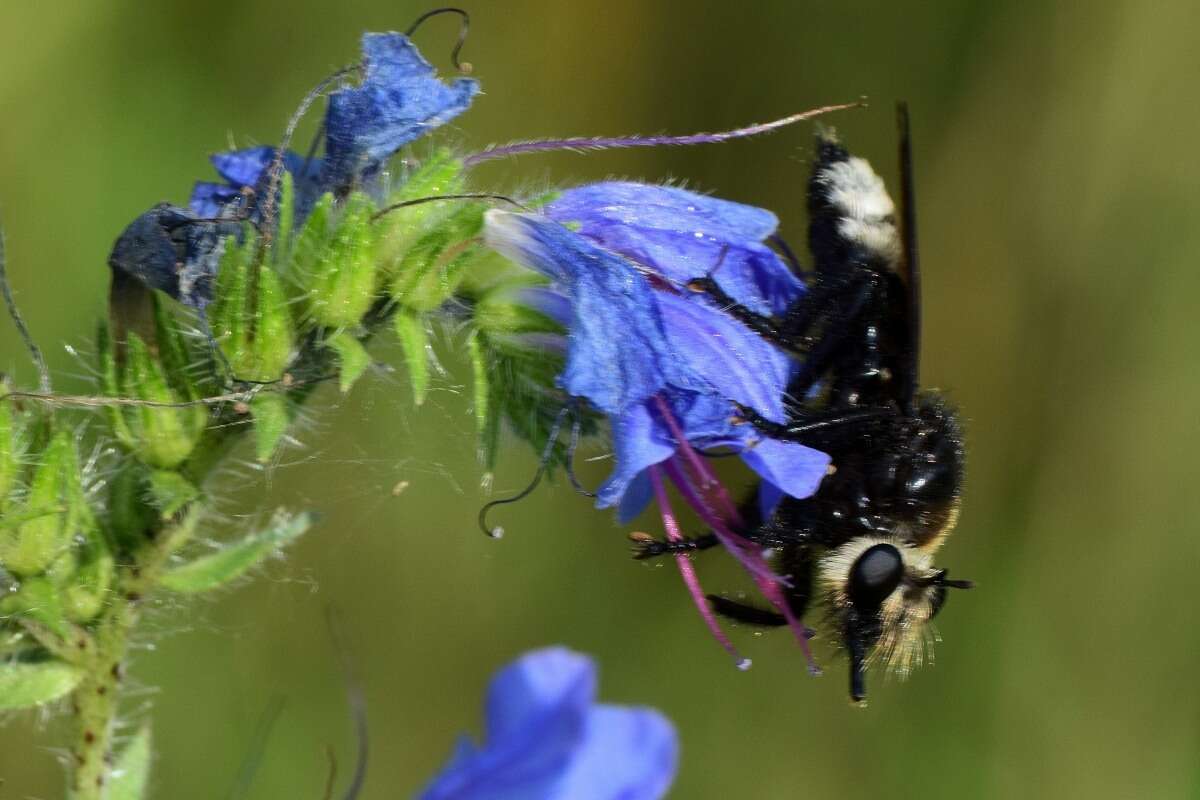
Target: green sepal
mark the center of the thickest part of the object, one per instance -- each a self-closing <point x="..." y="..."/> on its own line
<point x="11" y="447"/>
<point x="37" y="599"/>
<point x="130" y="514"/>
<point x="429" y="272"/>
<point x="353" y="359"/>
<point x="170" y="492"/>
<point x="414" y="340"/>
<point x="398" y="230"/>
<point x="481" y="389"/>
<point x="522" y="393"/>
<point x="162" y="437"/>
<point x="130" y="776"/>
<point x="234" y="560"/>
<point x="28" y="684"/>
<point x="174" y="354"/>
<point x="335" y="261"/>
<point x="250" y="315"/>
<point x="286" y="220"/>
<point x="271" y="418"/>
<point x="84" y="597"/>
<point x="46" y="534"/>
<point x="111" y="384"/>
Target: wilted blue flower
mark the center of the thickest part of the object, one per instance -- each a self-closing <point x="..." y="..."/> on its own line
<point x="399" y="100"/>
<point x="547" y="739"/>
<point x="248" y="168"/>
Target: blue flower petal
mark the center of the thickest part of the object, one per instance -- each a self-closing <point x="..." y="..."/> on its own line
<point x="536" y="717"/>
<point x="549" y="684"/>
<point x="769" y="496"/>
<point x="618" y="355"/>
<point x="245" y="167"/>
<point x="208" y="199"/>
<point x="547" y="740"/>
<point x="794" y="468"/>
<point x="400" y="100"/>
<point x="635" y="497"/>
<point x="627" y="754"/>
<point x="682" y="235"/>
<point x="640" y="440"/>
<point x="720" y="351"/>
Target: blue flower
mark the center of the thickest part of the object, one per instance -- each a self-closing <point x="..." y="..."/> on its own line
<point x="642" y="354"/>
<point x="683" y="235"/>
<point x="667" y="365"/>
<point x="247" y="168"/>
<point x="547" y="739"/>
<point x="399" y="101"/>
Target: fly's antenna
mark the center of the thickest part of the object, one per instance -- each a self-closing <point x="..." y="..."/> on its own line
<point x="35" y="352"/>
<point x="464" y="28"/>
<point x="912" y="265"/>
<point x="547" y="453"/>
<point x="437" y="197"/>
<point x="583" y="144"/>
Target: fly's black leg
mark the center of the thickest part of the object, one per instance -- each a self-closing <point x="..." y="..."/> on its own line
<point x="743" y="612"/>
<point x="646" y="546"/>
<point x="803" y="429"/>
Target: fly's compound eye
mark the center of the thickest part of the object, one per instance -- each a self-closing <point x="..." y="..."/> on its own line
<point x="875" y="575"/>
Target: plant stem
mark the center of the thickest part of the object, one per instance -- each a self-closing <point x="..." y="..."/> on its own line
<point x="101" y="655"/>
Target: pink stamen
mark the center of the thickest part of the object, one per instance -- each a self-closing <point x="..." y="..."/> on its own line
<point x="688" y="571"/>
<point x="744" y="550"/>
<point x="706" y="478"/>
<point x="749" y="555"/>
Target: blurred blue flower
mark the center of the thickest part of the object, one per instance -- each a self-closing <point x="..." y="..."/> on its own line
<point x="547" y="739"/>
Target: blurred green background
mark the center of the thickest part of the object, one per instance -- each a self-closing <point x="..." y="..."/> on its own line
<point x="1059" y="190"/>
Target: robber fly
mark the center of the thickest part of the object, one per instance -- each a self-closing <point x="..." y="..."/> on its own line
<point x="862" y="546"/>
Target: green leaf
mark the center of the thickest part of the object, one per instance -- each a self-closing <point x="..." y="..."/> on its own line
<point x="170" y="491"/>
<point x="352" y="358"/>
<point x="339" y="272"/>
<point x="271" y="418"/>
<point x="410" y="328"/>
<point x="131" y="774"/>
<point x="24" y="684"/>
<point x="222" y="566"/>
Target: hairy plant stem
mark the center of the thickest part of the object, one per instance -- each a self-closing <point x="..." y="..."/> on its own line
<point x="101" y="651"/>
<point x="101" y="655"/>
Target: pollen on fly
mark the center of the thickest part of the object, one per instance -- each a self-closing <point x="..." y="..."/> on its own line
<point x="862" y="545"/>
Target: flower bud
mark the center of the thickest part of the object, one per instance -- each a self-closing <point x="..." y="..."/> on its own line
<point x="334" y="261"/>
<point x="54" y="511"/>
<point x="250" y="316"/>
